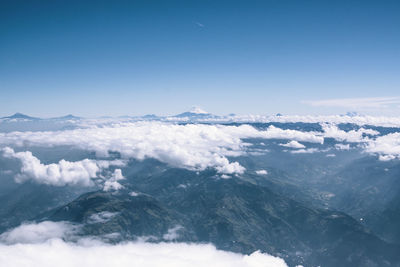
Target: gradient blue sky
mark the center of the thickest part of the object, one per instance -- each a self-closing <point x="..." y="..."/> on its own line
<point x="92" y="58"/>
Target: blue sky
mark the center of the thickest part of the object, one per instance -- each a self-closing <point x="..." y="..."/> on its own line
<point x="93" y="58"/>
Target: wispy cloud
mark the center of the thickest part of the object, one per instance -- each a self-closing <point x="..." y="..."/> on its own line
<point x="201" y="25"/>
<point x="368" y="102"/>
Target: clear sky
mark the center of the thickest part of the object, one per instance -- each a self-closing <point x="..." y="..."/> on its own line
<point x="93" y="58"/>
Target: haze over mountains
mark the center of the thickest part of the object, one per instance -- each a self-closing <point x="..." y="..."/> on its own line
<point x="308" y="190"/>
<point x="196" y="114"/>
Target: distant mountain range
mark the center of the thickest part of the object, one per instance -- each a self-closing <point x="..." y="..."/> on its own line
<point x="23" y="117"/>
<point x="199" y="115"/>
<point x="19" y="116"/>
<point x="194" y="113"/>
<point x="67" y="117"/>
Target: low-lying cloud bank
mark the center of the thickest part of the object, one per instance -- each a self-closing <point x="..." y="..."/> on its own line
<point x="191" y="146"/>
<point x="31" y="233"/>
<point x="384" y="121"/>
<point x="59" y="253"/>
<point x="24" y="246"/>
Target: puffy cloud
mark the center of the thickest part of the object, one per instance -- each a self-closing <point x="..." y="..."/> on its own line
<point x="42" y="245"/>
<point x="62" y="173"/>
<point x="261" y="172"/>
<point x="273" y="132"/>
<point x="387" y="146"/>
<point x="112" y="183"/>
<point x="293" y="144"/>
<point x="191" y="146"/>
<point x="356" y="136"/>
<point x="229" y="168"/>
<point x="342" y="146"/>
<point x="386" y="157"/>
<point x="38" y="232"/>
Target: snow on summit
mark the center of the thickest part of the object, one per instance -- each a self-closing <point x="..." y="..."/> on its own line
<point x="197" y="110"/>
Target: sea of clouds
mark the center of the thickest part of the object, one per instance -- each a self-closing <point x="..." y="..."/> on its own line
<point x="192" y="146"/>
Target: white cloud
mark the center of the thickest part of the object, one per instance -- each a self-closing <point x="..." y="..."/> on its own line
<point x="261" y="172"/>
<point x="64" y="172"/>
<point x="305" y="151"/>
<point x="332" y="131"/>
<point x="59" y="174"/>
<point x="38" y="232"/>
<point x="342" y="146"/>
<point x="387" y="146"/>
<point x="59" y="253"/>
<point x="101" y="217"/>
<point x="134" y="194"/>
<point x="356" y="103"/>
<point x="293" y="144"/>
<point x="273" y="132"/>
<point x="172" y="233"/>
<point x="191" y="146"/>
<point x="42" y="245"/>
<point x="229" y="168"/>
<point x="386" y="157"/>
<point x="112" y="183"/>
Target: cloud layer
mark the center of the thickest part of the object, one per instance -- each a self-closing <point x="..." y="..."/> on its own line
<point x="368" y="102"/>
<point x="59" y="253"/>
<point x="191" y="146"/>
<point x="41" y="245"/>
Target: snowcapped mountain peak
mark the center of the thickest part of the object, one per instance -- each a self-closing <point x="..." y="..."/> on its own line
<point x="197" y="110"/>
<point x="194" y="112"/>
